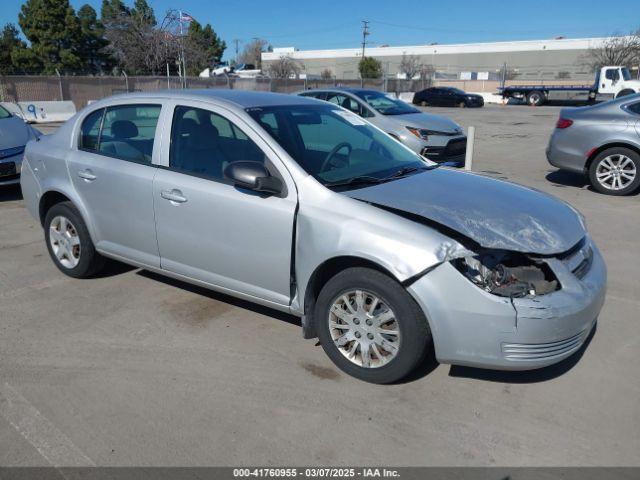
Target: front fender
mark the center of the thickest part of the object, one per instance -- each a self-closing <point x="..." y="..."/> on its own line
<point x="339" y="226"/>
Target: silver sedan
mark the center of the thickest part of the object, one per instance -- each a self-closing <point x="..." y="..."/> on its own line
<point x="14" y="135"/>
<point x="602" y="142"/>
<point x="304" y="207"/>
<point x="436" y="137"/>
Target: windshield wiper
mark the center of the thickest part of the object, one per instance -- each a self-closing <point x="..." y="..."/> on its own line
<point x="406" y="170"/>
<point x="360" y="180"/>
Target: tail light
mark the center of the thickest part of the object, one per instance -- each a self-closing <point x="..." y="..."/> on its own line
<point x="564" y="123"/>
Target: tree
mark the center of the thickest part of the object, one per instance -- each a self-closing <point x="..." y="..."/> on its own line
<point x="252" y="53"/>
<point x="284" y="67"/>
<point x="203" y="48"/>
<point x="9" y="41"/>
<point x="54" y="31"/>
<point x="326" y="74"/>
<point x="112" y="10"/>
<point x="93" y="42"/>
<point x="143" y="14"/>
<point x="134" y="41"/>
<point x="410" y="66"/>
<point x="369" y="67"/>
<point x="615" y="50"/>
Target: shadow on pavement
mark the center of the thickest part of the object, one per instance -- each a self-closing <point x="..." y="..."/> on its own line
<point x="563" y="178"/>
<point x="10" y="193"/>
<point x="527" y="376"/>
<point x="220" y="297"/>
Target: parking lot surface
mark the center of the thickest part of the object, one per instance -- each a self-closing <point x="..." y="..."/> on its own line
<point x="135" y="369"/>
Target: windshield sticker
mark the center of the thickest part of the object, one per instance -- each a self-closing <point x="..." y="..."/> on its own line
<point x="352" y="118"/>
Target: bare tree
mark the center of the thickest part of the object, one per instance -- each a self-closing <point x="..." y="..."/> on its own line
<point x="326" y="74"/>
<point x="252" y="53"/>
<point x="284" y="67"/>
<point x="410" y="65"/>
<point x="615" y="50"/>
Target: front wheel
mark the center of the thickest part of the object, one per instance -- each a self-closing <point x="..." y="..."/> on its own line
<point x="370" y="327"/>
<point x="69" y="243"/>
<point x="615" y="171"/>
<point x="535" y="98"/>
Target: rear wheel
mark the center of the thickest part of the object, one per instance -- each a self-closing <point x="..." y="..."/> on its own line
<point x="535" y="98"/>
<point x="69" y="243"/>
<point x="370" y="327"/>
<point x="615" y="171"/>
<point x="462" y="104"/>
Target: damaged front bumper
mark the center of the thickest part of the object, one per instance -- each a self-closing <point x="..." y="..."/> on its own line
<point x="473" y="327"/>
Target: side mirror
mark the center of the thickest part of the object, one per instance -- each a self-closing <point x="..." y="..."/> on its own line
<point x="253" y="176"/>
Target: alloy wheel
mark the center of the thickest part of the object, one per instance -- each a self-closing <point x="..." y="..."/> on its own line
<point x="364" y="329"/>
<point x="615" y="172"/>
<point x="64" y="241"/>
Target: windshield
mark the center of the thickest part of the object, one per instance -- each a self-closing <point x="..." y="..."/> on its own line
<point x="335" y="145"/>
<point x="626" y="74"/>
<point x="4" y="113"/>
<point x="384" y="104"/>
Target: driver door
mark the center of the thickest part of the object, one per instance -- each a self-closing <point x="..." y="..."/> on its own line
<point x="208" y="229"/>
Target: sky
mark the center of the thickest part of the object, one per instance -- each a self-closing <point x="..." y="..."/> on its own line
<point x="329" y="24"/>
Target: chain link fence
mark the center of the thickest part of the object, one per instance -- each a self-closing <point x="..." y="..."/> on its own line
<point x="83" y="89"/>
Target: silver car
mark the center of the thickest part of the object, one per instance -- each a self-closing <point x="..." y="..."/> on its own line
<point x="601" y="142"/>
<point x="14" y="135"/>
<point x="304" y="207"/>
<point x="433" y="136"/>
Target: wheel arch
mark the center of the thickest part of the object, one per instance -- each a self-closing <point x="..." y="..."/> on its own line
<point x="597" y="151"/>
<point x="624" y="92"/>
<point x="322" y="274"/>
<point x="53" y="196"/>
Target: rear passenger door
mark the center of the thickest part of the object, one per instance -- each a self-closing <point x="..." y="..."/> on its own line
<point x="112" y="171"/>
<point x="208" y="229"/>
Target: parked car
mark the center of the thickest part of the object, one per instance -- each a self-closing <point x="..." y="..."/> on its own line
<point x="433" y="136"/>
<point x="304" y="207"/>
<point x="447" y="97"/>
<point x="602" y="142"/>
<point x="14" y="134"/>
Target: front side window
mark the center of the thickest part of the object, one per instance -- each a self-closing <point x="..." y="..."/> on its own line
<point x="203" y="143"/>
<point x="612" y="74"/>
<point x="333" y="145"/>
<point x="4" y="113"/>
<point x="385" y="105"/>
<point x="128" y="132"/>
<point x="90" y="131"/>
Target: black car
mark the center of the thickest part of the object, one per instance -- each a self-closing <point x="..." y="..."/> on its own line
<point x="447" y="97"/>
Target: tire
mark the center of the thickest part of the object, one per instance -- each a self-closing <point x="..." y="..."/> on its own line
<point x="462" y="105"/>
<point x="412" y="337"/>
<point x="616" y="183"/>
<point x="424" y="103"/>
<point x="77" y="256"/>
<point x="624" y="93"/>
<point x="535" y="98"/>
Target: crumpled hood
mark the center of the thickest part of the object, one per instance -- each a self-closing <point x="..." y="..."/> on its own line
<point x="13" y="133"/>
<point x="428" y="121"/>
<point x="493" y="213"/>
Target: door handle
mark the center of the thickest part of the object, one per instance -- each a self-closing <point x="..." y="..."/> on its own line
<point x="87" y="175"/>
<point x="174" y="196"/>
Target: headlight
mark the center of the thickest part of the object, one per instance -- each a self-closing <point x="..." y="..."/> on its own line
<point x="424" y="134"/>
<point x="508" y="274"/>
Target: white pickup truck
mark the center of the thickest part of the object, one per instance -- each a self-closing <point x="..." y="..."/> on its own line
<point x="610" y="82"/>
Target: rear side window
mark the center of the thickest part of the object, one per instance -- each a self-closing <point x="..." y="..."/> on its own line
<point x="90" y="131"/>
<point x="128" y="132"/>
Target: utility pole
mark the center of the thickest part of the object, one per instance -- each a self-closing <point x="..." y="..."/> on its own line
<point x="237" y="42"/>
<point x="365" y="34"/>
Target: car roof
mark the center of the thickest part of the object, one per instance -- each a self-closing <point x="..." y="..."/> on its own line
<point x="239" y="98"/>
<point x="353" y="90"/>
